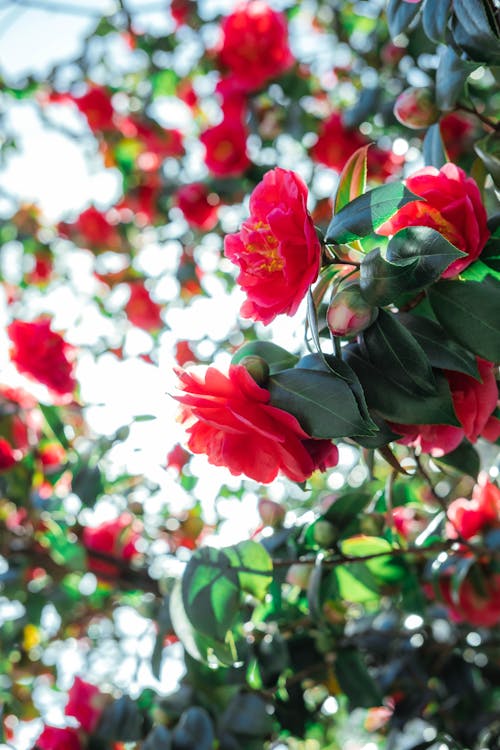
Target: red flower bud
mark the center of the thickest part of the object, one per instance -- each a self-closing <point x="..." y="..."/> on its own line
<point x="415" y="108"/>
<point x="348" y="313"/>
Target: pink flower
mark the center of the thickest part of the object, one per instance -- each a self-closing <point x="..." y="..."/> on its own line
<point x="200" y="208"/>
<point x="226" y="147"/>
<point x="230" y="419"/>
<point x="141" y="310"/>
<point x="85" y="703"/>
<point x="277" y="249"/>
<point x="348" y="314"/>
<point x="59" y="738"/>
<point x="468" y="517"/>
<point x="415" y="108"/>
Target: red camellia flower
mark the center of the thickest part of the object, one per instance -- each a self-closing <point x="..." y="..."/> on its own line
<point x="452" y="206"/>
<point x="141" y="310"/>
<point x="177" y="458"/>
<point x="96" y="105"/>
<point x="230" y="420"/>
<point x="468" y="517"/>
<point x="254" y="44"/>
<point x="59" y="738"/>
<point x="200" y="208"/>
<point x="52" y="455"/>
<point x="336" y="143"/>
<point x="226" y="147"/>
<point x="473" y="402"/>
<point x="7" y="455"/>
<point x="456" y="131"/>
<point x="277" y="249"/>
<point x="116" y="538"/>
<point x="476" y="605"/>
<point x="43" y="355"/>
<point x="94" y="229"/>
<point x="85" y="703"/>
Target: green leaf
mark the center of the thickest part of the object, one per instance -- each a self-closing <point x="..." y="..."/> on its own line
<point x="87" y="483"/>
<point x="464" y="459"/>
<point x="414" y="258"/>
<point x="366" y="213"/>
<point x="276" y="357"/>
<point x="211" y="593"/>
<point x="441" y="351"/>
<point x="355" y="680"/>
<point x="451" y="75"/>
<point x="323" y="404"/>
<point x="384" y="567"/>
<point x="470" y="313"/>
<point x="400" y="15"/>
<point x="488" y="150"/>
<point x="160" y="738"/>
<point x="246" y="715"/>
<point x="392" y="348"/>
<point x="433" y="147"/>
<point x="396" y="403"/>
<point x="54" y="421"/>
<point x="352" y="180"/>
<point x="194" y="730"/>
<point x="472" y="31"/>
<point x="253" y="565"/>
<point x="347" y="507"/>
<point x="355" y="583"/>
<point x="478" y="271"/>
<point x="435" y="15"/>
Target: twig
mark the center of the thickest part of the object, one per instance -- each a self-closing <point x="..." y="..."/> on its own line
<point x="483" y="118"/>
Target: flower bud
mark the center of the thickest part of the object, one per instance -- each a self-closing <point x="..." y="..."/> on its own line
<point x="415" y="108"/>
<point x="257" y="368"/>
<point x="298" y="574"/>
<point x="271" y="513"/>
<point x="324" y="533"/>
<point x="348" y="313"/>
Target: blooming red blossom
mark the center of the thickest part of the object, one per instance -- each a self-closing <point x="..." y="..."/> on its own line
<point x="59" y="738"/>
<point x="7" y="455"/>
<point x="336" y="143"/>
<point x="277" y="249"/>
<point x="116" y="538"/>
<point x="199" y="206"/>
<point x="254" y="45"/>
<point x="452" y="205"/>
<point x="477" y="607"/>
<point x="468" y="517"/>
<point x="94" y="229"/>
<point x="231" y="420"/>
<point x="473" y="402"/>
<point x="96" y="105"/>
<point x="43" y="355"/>
<point x="456" y="131"/>
<point x="226" y="147"/>
<point x="52" y="455"/>
<point x="141" y="310"/>
<point x="85" y="703"/>
<point x="177" y="458"/>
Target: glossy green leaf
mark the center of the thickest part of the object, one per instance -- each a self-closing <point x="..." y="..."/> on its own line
<point x="54" y="421"/>
<point x="433" y="147"/>
<point x="253" y="565"/>
<point x="160" y="738"/>
<point x="465" y="458"/>
<point x="435" y="14"/>
<point x="488" y="150"/>
<point x="194" y="730"/>
<point x="247" y="716"/>
<point x="470" y="313"/>
<point x="323" y="404"/>
<point x="441" y="351"/>
<point x="392" y="348"/>
<point x="414" y="258"/>
<point x="355" y="679"/>
<point x="475" y="31"/>
<point x="352" y="180"/>
<point x="347" y="507"/>
<point x="366" y="213"/>
<point x="396" y="403"/>
<point x="451" y="75"/>
<point x="400" y="15"/>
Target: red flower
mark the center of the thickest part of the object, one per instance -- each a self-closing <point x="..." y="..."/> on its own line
<point x="85" y="703"/>
<point x="225" y="147"/>
<point x="452" y="205"/>
<point x="177" y="458"/>
<point x="231" y="420"/>
<point x="97" y="108"/>
<point x="95" y="230"/>
<point x="157" y="143"/>
<point x="456" y="131"/>
<point x="277" y="249"/>
<point x="383" y="163"/>
<point x="200" y="208"/>
<point x="480" y="608"/>
<point x="473" y="402"/>
<point x="116" y="538"/>
<point x="43" y="355"/>
<point x="336" y="143"/>
<point x="141" y="310"/>
<point x="184" y="353"/>
<point x="59" y="738"/>
<point x="468" y="517"/>
<point x="255" y="44"/>
<point x="7" y="455"/>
